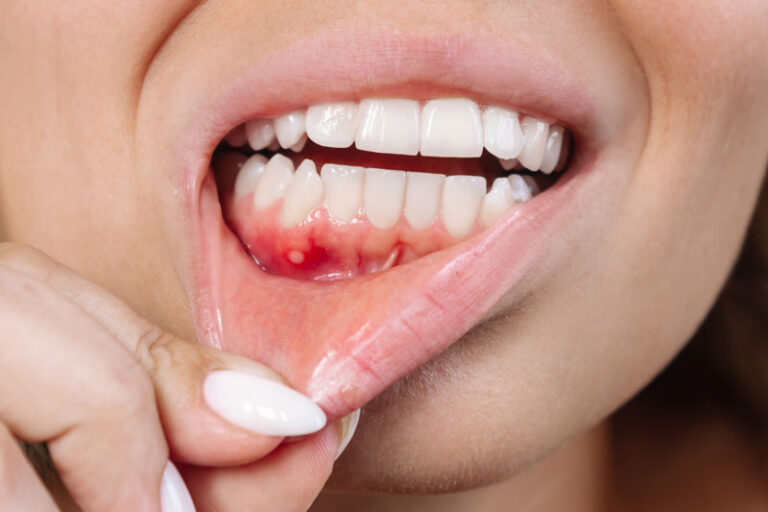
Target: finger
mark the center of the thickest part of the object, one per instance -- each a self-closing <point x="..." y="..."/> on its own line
<point x="289" y="479"/>
<point x="211" y="417"/>
<point x="91" y="401"/>
<point x="20" y="487"/>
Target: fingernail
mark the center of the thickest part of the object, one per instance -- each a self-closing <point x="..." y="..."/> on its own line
<point x="347" y="426"/>
<point x="174" y="495"/>
<point x="261" y="405"/>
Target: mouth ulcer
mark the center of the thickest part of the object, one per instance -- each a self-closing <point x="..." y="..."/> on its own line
<point x="422" y="177"/>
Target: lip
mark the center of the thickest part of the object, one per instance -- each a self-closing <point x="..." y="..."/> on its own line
<point x="455" y="288"/>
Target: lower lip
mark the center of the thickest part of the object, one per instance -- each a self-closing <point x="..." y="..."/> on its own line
<point x="348" y="366"/>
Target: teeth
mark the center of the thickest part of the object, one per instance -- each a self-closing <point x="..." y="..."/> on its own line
<point x="462" y="198"/>
<point x="302" y="195"/>
<point x="521" y="190"/>
<point x="388" y="126"/>
<point x="260" y="132"/>
<point x="273" y="182"/>
<point x="332" y="124"/>
<point x="532" y="185"/>
<point x="552" y="150"/>
<point x="497" y="201"/>
<point x="300" y="145"/>
<point x="451" y="127"/>
<point x="249" y="175"/>
<point x="383" y="195"/>
<point x="422" y="198"/>
<point x="503" y="134"/>
<point x="343" y="190"/>
<point x="290" y="128"/>
<point x="510" y="164"/>
<point x="536" y="133"/>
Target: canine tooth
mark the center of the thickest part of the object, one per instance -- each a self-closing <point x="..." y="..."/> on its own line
<point x="237" y="137"/>
<point x="422" y="198"/>
<point x="503" y="134"/>
<point x="532" y="185"/>
<point x="462" y="198"/>
<point x="248" y="175"/>
<point x="383" y="195"/>
<point x="302" y="195"/>
<point x="521" y="190"/>
<point x="273" y="182"/>
<point x="343" y="190"/>
<point x="332" y="124"/>
<point x="388" y="126"/>
<point x="451" y="127"/>
<point x="510" y="164"/>
<point x="552" y="150"/>
<point x="300" y="145"/>
<point x="260" y="132"/>
<point x="290" y="128"/>
<point x="497" y="201"/>
<point x="536" y="132"/>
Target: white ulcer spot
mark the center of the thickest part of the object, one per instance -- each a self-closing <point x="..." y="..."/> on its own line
<point x="296" y="257"/>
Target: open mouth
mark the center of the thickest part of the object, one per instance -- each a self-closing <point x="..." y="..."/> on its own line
<point x="351" y="223"/>
<point x="422" y="176"/>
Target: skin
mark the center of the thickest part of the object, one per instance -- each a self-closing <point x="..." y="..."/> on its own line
<point x="84" y="179"/>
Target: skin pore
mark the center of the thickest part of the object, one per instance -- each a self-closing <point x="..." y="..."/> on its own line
<point x="95" y="92"/>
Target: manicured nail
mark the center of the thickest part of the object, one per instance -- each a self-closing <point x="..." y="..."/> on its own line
<point x="174" y="496"/>
<point x="261" y="405"/>
<point x="347" y="426"/>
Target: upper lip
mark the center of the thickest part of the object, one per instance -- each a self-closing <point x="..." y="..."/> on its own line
<point x="341" y="66"/>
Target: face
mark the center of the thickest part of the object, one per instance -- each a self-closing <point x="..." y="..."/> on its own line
<point x="481" y="347"/>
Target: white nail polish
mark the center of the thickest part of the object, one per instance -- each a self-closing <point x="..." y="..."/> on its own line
<point x="348" y="427"/>
<point x="174" y="496"/>
<point x="261" y="405"/>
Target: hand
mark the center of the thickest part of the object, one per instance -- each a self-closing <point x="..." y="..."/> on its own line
<point x="113" y="396"/>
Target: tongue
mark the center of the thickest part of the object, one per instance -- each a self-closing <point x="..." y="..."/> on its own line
<point x="344" y="341"/>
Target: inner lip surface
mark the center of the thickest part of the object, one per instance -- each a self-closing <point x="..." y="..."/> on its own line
<point x="411" y="312"/>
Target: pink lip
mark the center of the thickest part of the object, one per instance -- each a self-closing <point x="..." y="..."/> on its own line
<point x="329" y="346"/>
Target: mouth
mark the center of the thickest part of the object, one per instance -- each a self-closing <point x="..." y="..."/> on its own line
<point x="346" y="237"/>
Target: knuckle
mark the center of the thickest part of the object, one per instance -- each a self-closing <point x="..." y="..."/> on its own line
<point x="151" y="345"/>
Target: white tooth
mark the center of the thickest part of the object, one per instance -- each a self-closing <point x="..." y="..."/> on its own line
<point x="503" y="134"/>
<point x="497" y="201"/>
<point x="422" y="198"/>
<point x="521" y="191"/>
<point x="383" y="195"/>
<point x="237" y="137"/>
<point x="462" y="198"/>
<point x="273" y="182"/>
<point x="451" y="127"/>
<point x="290" y="128"/>
<point x="510" y="164"/>
<point x="536" y="132"/>
<point x="532" y="185"/>
<point x="303" y="194"/>
<point x="300" y="145"/>
<point x="260" y="132"/>
<point x="552" y="150"/>
<point x="343" y="186"/>
<point x="248" y="175"/>
<point x="388" y="126"/>
<point x="332" y="124"/>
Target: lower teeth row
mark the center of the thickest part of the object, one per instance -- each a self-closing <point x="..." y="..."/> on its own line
<point x="381" y="196"/>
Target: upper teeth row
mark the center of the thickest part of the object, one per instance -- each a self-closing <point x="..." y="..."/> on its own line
<point x="382" y="196"/>
<point x="447" y="127"/>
